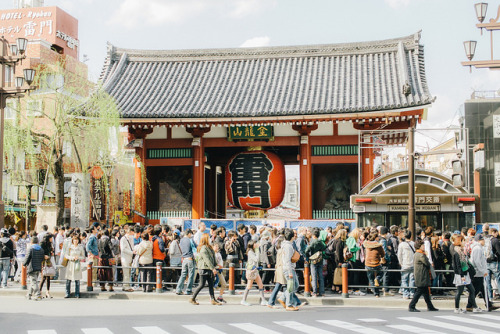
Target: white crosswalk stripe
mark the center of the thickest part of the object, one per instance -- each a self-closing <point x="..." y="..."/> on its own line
<point x="413" y="329"/>
<point x="43" y="331"/>
<point x="372" y="320"/>
<point x="488" y="316"/>
<point x="449" y="326"/>
<point x="352" y="327"/>
<point x="150" y="330"/>
<point x="254" y="329"/>
<point x="469" y="321"/>
<point x="96" y="331"/>
<point x="202" y="329"/>
<point x="302" y="327"/>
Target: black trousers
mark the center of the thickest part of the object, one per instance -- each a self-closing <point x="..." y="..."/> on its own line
<point x="471" y="302"/>
<point x="206" y="276"/>
<point x="421" y="291"/>
<point x="478" y="284"/>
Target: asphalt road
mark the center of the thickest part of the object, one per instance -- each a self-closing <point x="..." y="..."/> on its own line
<point x="58" y="316"/>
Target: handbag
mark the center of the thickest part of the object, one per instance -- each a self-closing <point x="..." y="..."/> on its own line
<point x="295" y="257"/>
<point x="64" y="262"/>
<point x="252" y="274"/>
<point x="316" y="257"/>
<point x="112" y="261"/>
<point x="337" y="276"/>
<point x="49" y="271"/>
<point x="290" y="285"/>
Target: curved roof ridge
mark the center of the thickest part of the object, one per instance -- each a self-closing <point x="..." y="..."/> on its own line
<point x="410" y="42"/>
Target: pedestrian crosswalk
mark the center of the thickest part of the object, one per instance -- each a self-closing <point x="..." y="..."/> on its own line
<point x="425" y="324"/>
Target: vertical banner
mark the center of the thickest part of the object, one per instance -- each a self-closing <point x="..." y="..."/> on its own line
<point x="496" y="126"/>
<point x="80" y="198"/>
<point x="98" y="194"/>
<point x="497" y="174"/>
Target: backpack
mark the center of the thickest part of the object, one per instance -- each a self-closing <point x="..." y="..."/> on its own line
<point x="330" y="248"/>
<point x="488" y="250"/>
<point x="6" y="251"/>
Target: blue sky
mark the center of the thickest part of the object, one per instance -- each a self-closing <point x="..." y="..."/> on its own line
<point x="180" y="24"/>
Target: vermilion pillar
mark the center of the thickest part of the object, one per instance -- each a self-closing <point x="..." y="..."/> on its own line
<point x="198" y="205"/>
<point x="305" y="168"/>
<point x="139" y="137"/>
<point x="367" y="157"/>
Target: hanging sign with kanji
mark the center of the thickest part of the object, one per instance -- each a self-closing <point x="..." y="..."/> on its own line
<point x="250" y="132"/>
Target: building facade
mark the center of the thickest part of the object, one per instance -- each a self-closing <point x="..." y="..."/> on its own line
<point x="482" y="118"/>
<point x="189" y="111"/>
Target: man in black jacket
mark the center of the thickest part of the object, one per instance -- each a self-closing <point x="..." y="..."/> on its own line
<point x="6" y="255"/>
<point x="33" y="262"/>
<point x="494" y="264"/>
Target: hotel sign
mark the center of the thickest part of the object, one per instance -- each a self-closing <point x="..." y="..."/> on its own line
<point x="250" y="132"/>
<point x="419" y="208"/>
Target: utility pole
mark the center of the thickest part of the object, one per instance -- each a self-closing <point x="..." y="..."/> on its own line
<point x="411" y="180"/>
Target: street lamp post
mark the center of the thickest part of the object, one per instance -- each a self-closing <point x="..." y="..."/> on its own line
<point x="7" y="90"/>
<point x="470" y="46"/>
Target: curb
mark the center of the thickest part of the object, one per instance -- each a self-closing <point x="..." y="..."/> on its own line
<point x="383" y="302"/>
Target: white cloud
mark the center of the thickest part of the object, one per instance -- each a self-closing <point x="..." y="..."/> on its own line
<point x="132" y="13"/>
<point x="397" y="3"/>
<point x="242" y="8"/>
<point x="256" y="42"/>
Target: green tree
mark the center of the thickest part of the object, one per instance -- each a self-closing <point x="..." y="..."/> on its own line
<point x="67" y="125"/>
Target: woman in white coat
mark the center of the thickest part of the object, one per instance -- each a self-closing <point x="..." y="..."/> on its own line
<point x="75" y="254"/>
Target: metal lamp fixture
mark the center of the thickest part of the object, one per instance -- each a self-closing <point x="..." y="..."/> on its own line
<point x="29" y="75"/>
<point x="481" y="8"/>
<point x="22" y="43"/>
<point x="19" y="82"/>
<point x="470" y="49"/>
<point x="13" y="49"/>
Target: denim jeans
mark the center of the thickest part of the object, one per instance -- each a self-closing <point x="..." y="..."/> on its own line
<point x="407" y="282"/>
<point x="189" y="271"/>
<point x="33" y="289"/>
<point x="374" y="273"/>
<point x="4" y="271"/>
<point x="494" y="273"/>
<point x="290" y="297"/>
<point x="318" y="282"/>
<point x="274" y="294"/>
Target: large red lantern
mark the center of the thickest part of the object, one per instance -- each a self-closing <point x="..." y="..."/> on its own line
<point x="255" y="180"/>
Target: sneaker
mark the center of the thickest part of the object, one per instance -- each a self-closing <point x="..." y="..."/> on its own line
<point x="263" y="302"/>
<point x="245" y="303"/>
<point x="272" y="306"/>
<point x="359" y="293"/>
<point x="180" y="293"/>
<point x="291" y="308"/>
<point x="469" y="309"/>
<point x="37" y="299"/>
<point x="303" y="304"/>
<point x="388" y="294"/>
<point x="221" y="300"/>
<point x="477" y="310"/>
<point x="459" y="310"/>
<point x="194" y="302"/>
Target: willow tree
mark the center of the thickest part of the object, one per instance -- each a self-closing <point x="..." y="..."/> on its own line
<point x="66" y="114"/>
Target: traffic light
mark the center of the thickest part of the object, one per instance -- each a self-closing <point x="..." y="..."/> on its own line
<point x="457" y="175"/>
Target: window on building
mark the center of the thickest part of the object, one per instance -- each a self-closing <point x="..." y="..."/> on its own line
<point x="34" y="108"/>
<point x="11" y="110"/>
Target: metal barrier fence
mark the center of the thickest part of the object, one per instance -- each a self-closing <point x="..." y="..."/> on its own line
<point x="232" y="275"/>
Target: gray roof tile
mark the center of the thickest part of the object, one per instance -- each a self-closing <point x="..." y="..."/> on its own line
<point x="270" y="81"/>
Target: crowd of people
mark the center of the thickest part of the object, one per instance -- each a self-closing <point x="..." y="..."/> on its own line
<point x="391" y="263"/>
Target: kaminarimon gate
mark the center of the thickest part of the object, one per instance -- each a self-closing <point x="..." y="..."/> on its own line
<point x="188" y="112"/>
